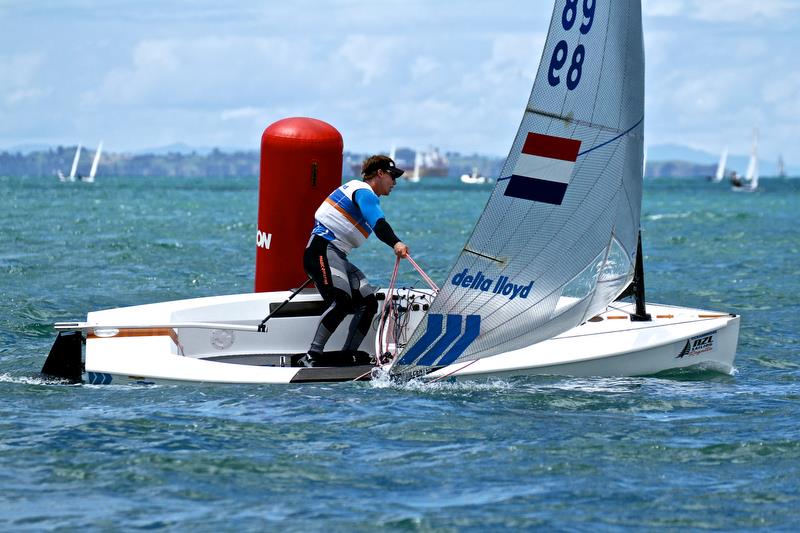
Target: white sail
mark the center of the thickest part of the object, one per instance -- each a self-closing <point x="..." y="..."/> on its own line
<point x="75" y="160"/>
<point x="644" y="160"/>
<point x="95" y="162"/>
<point x="414" y="177"/>
<point x="723" y="161"/>
<point x="751" y="176"/>
<point x="557" y="239"/>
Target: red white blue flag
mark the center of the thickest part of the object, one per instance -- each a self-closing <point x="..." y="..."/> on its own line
<point x="544" y="168"/>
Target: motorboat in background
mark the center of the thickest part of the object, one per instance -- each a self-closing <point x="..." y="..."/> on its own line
<point x="473" y="179"/>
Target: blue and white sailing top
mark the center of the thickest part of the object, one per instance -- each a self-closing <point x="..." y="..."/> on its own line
<point x="343" y="222"/>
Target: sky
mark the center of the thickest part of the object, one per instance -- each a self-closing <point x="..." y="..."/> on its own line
<point x="453" y="74"/>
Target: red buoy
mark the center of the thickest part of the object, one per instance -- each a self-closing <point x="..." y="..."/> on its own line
<point x="301" y="163"/>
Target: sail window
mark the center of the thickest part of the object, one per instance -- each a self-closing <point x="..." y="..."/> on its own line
<point x="580" y="286"/>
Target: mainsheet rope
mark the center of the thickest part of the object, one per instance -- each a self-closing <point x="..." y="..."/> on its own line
<point x="383" y="344"/>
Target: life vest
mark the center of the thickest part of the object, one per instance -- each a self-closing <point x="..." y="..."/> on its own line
<point x="339" y="220"/>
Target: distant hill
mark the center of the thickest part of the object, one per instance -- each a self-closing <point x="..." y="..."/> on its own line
<point x="180" y="159"/>
<point x="676" y="153"/>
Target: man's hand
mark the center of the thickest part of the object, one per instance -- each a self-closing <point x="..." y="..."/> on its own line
<point x="400" y="249"/>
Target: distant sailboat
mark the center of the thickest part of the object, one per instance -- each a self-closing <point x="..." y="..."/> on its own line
<point x="95" y="162"/>
<point x="644" y="162"/>
<point x="71" y="177"/>
<point x="723" y="160"/>
<point x="474" y="178"/>
<point x="750" y="181"/>
<point x="414" y="176"/>
<point x="781" y="167"/>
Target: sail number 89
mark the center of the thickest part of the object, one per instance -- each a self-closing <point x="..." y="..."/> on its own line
<point x="561" y="52"/>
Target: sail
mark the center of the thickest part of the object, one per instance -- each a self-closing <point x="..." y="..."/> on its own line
<point x="723" y="161"/>
<point x="414" y="177"/>
<point x="556" y="242"/>
<point x="644" y="160"/>
<point x="752" y="166"/>
<point x="95" y="162"/>
<point x="75" y="160"/>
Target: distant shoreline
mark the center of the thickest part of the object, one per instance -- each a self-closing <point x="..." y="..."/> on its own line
<point x="218" y="163"/>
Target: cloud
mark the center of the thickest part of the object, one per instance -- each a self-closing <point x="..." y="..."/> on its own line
<point x="22" y="95"/>
<point x="716" y="11"/>
<point x="741" y="10"/>
<point x="210" y="72"/>
<point x="662" y="8"/>
<point x="242" y="113"/>
<point x="17" y="81"/>
<point x="422" y="67"/>
<point x="370" y="57"/>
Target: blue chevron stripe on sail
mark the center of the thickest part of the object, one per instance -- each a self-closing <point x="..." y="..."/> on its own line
<point x="432" y="332"/>
<point x="471" y="332"/>
<point x="452" y="331"/>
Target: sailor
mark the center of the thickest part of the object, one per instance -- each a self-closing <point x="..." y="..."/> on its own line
<point x="347" y="217"/>
<point x="735" y="180"/>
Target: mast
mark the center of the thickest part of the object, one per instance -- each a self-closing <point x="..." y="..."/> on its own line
<point x="637" y="284"/>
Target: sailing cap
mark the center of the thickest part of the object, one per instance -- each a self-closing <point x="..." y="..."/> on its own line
<point x="381" y="162"/>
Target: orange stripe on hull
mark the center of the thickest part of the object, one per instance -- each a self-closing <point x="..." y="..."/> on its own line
<point x="144" y="332"/>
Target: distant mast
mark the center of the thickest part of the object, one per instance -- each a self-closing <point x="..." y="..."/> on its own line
<point x="781" y="167"/>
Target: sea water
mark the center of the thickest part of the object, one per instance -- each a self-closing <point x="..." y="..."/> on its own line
<point x="684" y="451"/>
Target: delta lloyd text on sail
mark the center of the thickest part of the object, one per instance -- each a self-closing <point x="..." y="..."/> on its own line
<point x="480" y="282"/>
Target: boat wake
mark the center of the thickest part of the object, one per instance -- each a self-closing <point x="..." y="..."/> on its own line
<point x="37" y="379"/>
<point x="381" y="380"/>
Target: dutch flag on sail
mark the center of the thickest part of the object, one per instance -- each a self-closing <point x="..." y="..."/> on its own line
<point x="544" y="168"/>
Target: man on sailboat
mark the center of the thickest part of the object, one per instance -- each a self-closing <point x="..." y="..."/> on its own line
<point x="344" y="221"/>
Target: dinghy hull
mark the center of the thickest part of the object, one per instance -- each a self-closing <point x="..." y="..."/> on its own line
<point x="215" y="340"/>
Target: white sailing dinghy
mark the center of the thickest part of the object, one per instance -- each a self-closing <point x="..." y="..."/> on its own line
<point x="723" y="161"/>
<point x="534" y="291"/>
<point x="414" y="176"/>
<point x="750" y="182"/>
<point x="74" y="168"/>
<point x="95" y="163"/>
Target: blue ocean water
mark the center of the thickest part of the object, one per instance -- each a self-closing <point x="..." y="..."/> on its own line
<point x="690" y="451"/>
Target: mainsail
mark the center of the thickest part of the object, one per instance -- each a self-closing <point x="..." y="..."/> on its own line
<point x="95" y="162"/>
<point x="751" y="175"/>
<point x="556" y="242"/>
<point x="75" y="160"/>
<point x="723" y="161"/>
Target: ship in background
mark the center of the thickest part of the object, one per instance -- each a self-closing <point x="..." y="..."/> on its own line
<point x="432" y="163"/>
